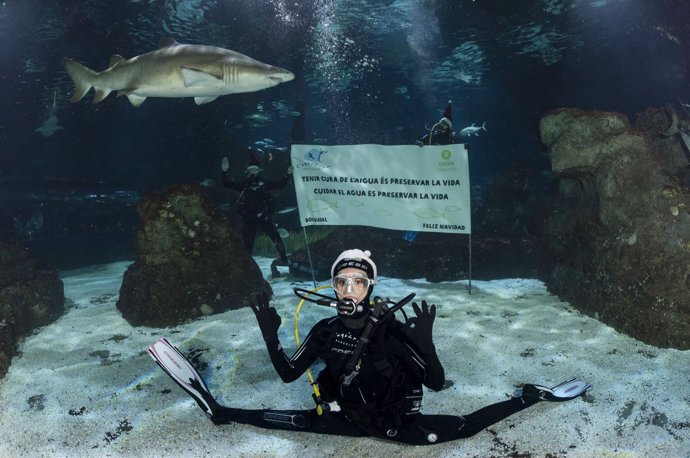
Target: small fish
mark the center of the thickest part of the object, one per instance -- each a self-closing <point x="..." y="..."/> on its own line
<point x="50" y="125"/>
<point x="258" y="117"/>
<point x="226" y="207"/>
<point x="208" y="183"/>
<point x="283" y="233"/>
<point x="473" y="130"/>
<point x="286" y="210"/>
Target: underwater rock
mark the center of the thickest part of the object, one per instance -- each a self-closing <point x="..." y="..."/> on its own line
<point x="29" y="298"/>
<point x="511" y="208"/>
<point x="618" y="232"/>
<point x="191" y="262"/>
<point x="662" y="128"/>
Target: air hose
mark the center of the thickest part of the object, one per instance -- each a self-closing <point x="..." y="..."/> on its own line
<point x="380" y="310"/>
<point x="321" y="406"/>
<point x="431" y="132"/>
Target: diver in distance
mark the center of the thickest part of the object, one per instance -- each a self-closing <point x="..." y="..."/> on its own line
<point x="375" y="367"/>
<point x="440" y="133"/>
<point x="257" y="205"/>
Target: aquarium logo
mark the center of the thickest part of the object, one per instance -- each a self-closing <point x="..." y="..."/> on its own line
<point x="312" y="161"/>
<point x="446" y="163"/>
<point x="314" y="155"/>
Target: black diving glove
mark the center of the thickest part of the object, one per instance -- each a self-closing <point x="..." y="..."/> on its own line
<point x="419" y="329"/>
<point x="268" y="318"/>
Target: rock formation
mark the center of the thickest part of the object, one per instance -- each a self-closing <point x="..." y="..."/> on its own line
<point x="29" y="298"/>
<point x="619" y="233"/>
<point x="191" y="262"/>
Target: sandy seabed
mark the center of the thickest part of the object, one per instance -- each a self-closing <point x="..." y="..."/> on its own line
<point x="84" y="386"/>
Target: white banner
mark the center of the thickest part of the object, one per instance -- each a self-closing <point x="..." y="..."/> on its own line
<point x="403" y="187"/>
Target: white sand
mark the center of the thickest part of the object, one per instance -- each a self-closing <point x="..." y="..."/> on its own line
<point x="84" y="386"/>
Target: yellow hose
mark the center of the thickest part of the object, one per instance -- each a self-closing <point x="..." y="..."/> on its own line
<point x="317" y="393"/>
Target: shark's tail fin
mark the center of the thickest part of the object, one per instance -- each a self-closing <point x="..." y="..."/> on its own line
<point x="484" y="126"/>
<point x="82" y="76"/>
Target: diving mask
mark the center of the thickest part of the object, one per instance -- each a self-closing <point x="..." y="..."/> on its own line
<point x="351" y="283"/>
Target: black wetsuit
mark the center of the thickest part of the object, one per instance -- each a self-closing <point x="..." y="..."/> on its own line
<point x="440" y="134"/>
<point x="382" y="400"/>
<point x="257" y="207"/>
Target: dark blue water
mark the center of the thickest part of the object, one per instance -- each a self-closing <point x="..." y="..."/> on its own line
<point x="366" y="72"/>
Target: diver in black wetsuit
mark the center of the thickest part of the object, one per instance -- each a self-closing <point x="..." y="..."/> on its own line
<point x="378" y="396"/>
<point x="257" y="204"/>
<point x="440" y="133"/>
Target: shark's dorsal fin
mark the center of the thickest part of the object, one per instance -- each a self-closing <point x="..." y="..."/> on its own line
<point x="114" y="60"/>
<point x="167" y="41"/>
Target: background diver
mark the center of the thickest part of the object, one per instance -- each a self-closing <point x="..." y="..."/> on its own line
<point x="373" y="384"/>
<point x="257" y="205"/>
<point x="440" y="133"/>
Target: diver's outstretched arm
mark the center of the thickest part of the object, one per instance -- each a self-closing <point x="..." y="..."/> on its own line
<point x="289" y="369"/>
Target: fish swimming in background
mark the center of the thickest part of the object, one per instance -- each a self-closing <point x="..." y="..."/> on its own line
<point x="286" y="210"/>
<point x="50" y="125"/>
<point x="473" y="130"/>
<point x="208" y="183"/>
<point x="176" y="70"/>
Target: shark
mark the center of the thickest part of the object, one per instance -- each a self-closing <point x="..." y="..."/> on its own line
<point x="473" y="130"/>
<point x="176" y="70"/>
<point x="50" y="125"/>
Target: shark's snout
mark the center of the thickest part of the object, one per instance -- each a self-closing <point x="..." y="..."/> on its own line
<point x="282" y="76"/>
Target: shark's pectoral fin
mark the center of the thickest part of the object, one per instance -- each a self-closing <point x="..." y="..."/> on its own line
<point x="194" y="77"/>
<point x="202" y="100"/>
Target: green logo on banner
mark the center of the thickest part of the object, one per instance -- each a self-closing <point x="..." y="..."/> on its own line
<point x="445" y="154"/>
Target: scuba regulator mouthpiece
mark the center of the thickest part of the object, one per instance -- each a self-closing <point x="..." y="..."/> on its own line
<point x="348" y="307"/>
